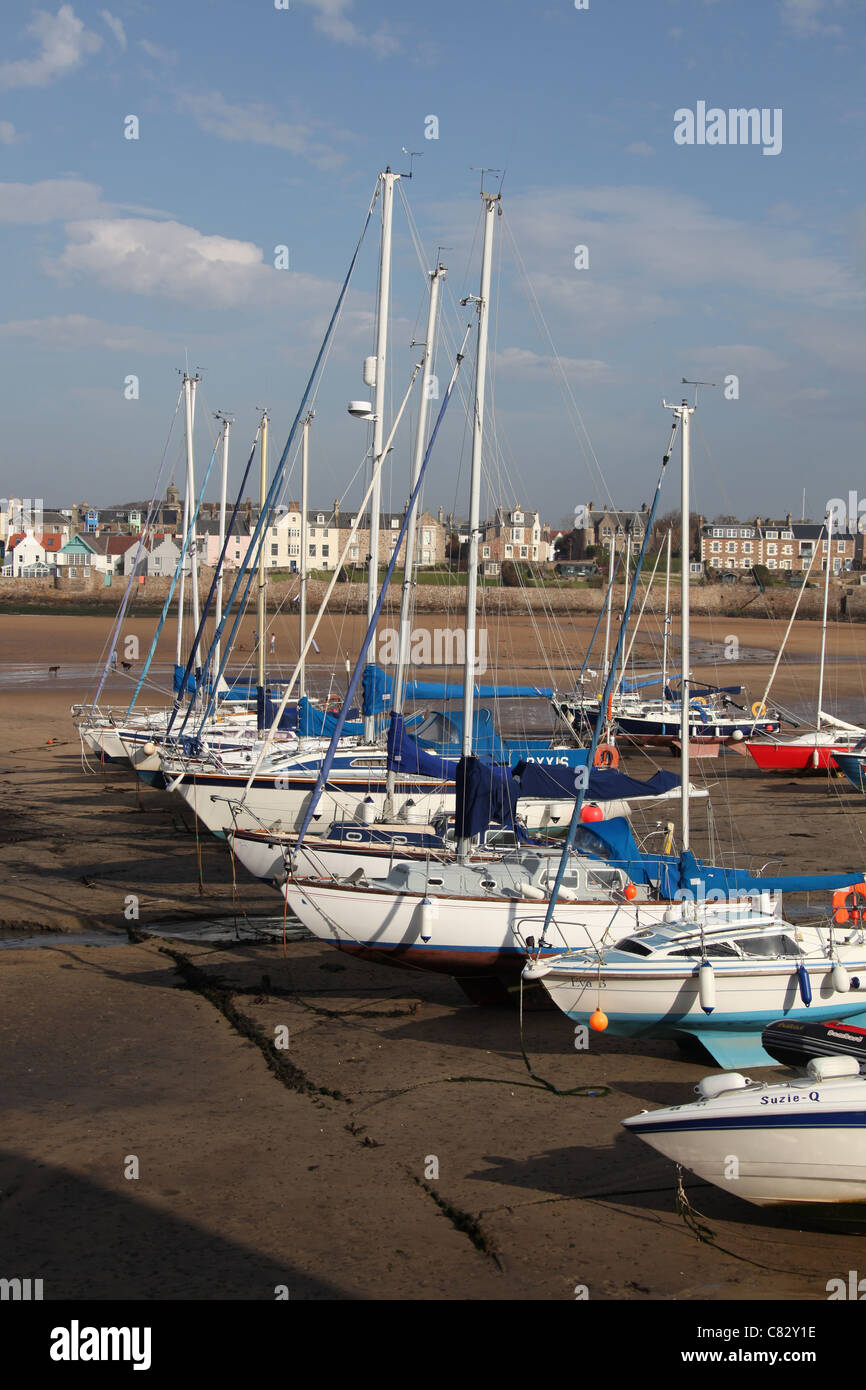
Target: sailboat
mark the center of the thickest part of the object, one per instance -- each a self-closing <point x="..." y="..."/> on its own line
<point x="814" y="750"/>
<point x="714" y="972"/>
<point x="477" y="914"/>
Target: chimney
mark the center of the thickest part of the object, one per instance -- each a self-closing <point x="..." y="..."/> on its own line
<point x="441" y="516"/>
<point x="336" y="511"/>
<point x="788" y="519"/>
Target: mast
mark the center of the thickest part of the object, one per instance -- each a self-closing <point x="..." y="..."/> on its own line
<point x="260" y="604"/>
<point x="302" y="596"/>
<point x="828" y="527"/>
<point x="388" y="180"/>
<point x="611" y="557"/>
<point x="683" y="412"/>
<point x="667" y="627"/>
<point x="418" y="459"/>
<point x="189" y="405"/>
<point x="492" y="206"/>
<point x="224" y="482"/>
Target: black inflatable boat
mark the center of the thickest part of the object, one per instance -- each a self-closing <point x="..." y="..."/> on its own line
<point x="794" y="1044"/>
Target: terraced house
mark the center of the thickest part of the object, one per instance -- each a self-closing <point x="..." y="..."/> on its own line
<point x="778" y="545"/>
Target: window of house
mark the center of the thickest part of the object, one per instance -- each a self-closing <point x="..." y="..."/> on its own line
<point x="275" y="550"/>
<point x="747" y="547"/>
<point x="326" y="550"/>
<point x="771" y="564"/>
<point x="320" y="518"/>
<point x="731" y="548"/>
<point x="716" y="546"/>
<point x="772" y="535"/>
<point x="509" y="549"/>
<point x="394" y="523"/>
<point x="745" y="532"/>
<point x="312" y="550"/>
<point x="772" y="548"/>
<point x="787" y="550"/>
<point x="731" y="531"/>
<point x="485" y="552"/>
<point x="523" y="552"/>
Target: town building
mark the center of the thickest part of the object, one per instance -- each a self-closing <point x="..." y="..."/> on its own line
<point x="778" y="545"/>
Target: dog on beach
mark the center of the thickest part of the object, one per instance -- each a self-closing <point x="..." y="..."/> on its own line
<point x="52" y="670"/>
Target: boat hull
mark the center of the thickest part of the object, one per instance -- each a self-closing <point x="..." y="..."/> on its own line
<point x="800" y="1143"/>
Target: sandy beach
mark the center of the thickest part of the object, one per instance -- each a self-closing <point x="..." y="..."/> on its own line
<point x="399" y="1147"/>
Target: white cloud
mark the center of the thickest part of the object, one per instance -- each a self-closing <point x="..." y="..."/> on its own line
<point x="63" y="43"/>
<point x="178" y="262"/>
<point x="51" y="200"/>
<point x="639" y="147"/>
<point x="802" y="18"/>
<point x="645" y="243"/>
<point x="331" y="19"/>
<point x="157" y="52"/>
<point x="256" y="124"/>
<point x="534" y="366"/>
<point x="72" y="332"/>
<point x="116" y="27"/>
<point x="8" y="134"/>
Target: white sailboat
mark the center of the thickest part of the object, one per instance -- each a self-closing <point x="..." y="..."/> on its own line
<point x="720" y="973"/>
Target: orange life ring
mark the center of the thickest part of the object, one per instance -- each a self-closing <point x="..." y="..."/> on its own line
<point x="849" y="904"/>
<point x="606" y="756"/>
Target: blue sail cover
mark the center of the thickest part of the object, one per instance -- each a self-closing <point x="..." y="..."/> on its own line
<point x="487" y="793"/>
<point x="686" y="876"/>
<point x="534" y="779"/>
<point x="319" y="723"/>
<point x="378" y="688"/>
<point x="484" y="795"/>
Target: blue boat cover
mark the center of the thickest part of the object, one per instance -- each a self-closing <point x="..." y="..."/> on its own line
<point x="487" y="793"/>
<point x="378" y="688"/>
<point x="686" y="876"/>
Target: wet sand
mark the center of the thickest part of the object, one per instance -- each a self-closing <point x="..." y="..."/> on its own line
<point x="399" y="1146"/>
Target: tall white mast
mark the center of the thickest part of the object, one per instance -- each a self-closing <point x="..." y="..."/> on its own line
<point x="224" y="483"/>
<point x="492" y="206"/>
<point x="411" y="529"/>
<point x="829" y="532"/>
<point x="683" y="412"/>
<point x="667" y="627"/>
<point x="388" y="180"/>
<point x="302" y="596"/>
<point x="610" y="564"/>
<point x="189" y="404"/>
<point x="260" y="604"/>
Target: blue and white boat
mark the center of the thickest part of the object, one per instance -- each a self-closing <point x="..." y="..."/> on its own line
<point x="715" y="973"/>
<point x="798" y="1142"/>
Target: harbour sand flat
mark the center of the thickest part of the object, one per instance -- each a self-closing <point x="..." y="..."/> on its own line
<point x="397" y="1147"/>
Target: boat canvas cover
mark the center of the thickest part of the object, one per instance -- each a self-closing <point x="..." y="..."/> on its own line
<point x="686" y="876"/>
<point x="378" y="689"/>
<point x="487" y="793"/>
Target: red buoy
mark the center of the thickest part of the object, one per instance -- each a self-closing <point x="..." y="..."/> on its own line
<point x="591" y="812"/>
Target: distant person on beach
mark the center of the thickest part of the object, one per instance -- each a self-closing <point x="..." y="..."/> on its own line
<point x="272" y="644"/>
<point x="114" y="660"/>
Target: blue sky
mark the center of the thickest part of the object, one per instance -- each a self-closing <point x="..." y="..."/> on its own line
<point x="260" y="127"/>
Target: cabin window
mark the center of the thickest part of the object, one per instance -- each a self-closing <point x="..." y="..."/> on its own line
<point x="353" y="835"/>
<point x="767" y="946"/>
<point x="635" y="948"/>
<point x="435" y="882"/>
<point x="488" y="883"/>
<point x="716" y="948"/>
<point x="604" y="878"/>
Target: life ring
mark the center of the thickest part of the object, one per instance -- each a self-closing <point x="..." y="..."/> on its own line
<point x="849" y="904"/>
<point x="759" y="709"/>
<point x="606" y="756"/>
<point x="700" y="700"/>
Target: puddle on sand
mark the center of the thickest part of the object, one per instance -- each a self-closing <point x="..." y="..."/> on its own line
<point x="213" y="931"/>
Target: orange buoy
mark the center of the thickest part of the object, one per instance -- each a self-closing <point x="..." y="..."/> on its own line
<point x="840" y="915"/>
<point x="598" y="1021"/>
<point x="630" y="892"/>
